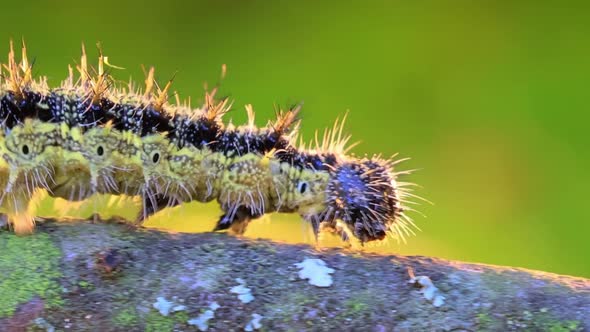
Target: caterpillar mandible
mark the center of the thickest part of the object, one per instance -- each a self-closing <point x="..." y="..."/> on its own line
<point x="91" y="136"/>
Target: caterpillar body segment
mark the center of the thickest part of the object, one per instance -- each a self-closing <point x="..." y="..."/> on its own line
<point x="29" y="152"/>
<point x="70" y="161"/>
<point x="232" y="165"/>
<point x="89" y="136"/>
<point x="191" y="175"/>
<point x="110" y="158"/>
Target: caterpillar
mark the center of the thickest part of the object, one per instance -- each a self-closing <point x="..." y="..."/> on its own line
<point x="91" y="135"/>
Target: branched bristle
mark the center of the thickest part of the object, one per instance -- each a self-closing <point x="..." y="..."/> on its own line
<point x="286" y="121"/>
<point x="251" y="117"/>
<point x="149" y="83"/>
<point x="213" y="111"/>
<point x="333" y="141"/>
<point x="162" y="97"/>
<point x="19" y="74"/>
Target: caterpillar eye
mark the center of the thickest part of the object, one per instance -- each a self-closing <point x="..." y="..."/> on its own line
<point x="302" y="187"/>
<point x="25" y="149"/>
<point x="100" y="151"/>
<point x="156" y="157"/>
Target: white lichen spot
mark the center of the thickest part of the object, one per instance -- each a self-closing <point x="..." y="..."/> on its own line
<point x="214" y="306"/>
<point x="43" y="324"/>
<point x="427" y="288"/>
<point x="165" y="307"/>
<point x="201" y="322"/>
<point x="316" y="271"/>
<point x="179" y="307"/>
<point x="244" y="293"/>
<point x="254" y="324"/>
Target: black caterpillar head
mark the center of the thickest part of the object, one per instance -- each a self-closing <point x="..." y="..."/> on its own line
<point x="364" y="195"/>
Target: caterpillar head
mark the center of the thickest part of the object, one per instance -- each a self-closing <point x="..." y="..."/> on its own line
<point x="363" y="194"/>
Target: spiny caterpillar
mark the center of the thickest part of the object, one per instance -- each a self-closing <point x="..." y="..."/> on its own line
<point x="90" y="136"/>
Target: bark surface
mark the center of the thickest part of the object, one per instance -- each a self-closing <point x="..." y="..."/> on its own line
<point x="109" y="277"/>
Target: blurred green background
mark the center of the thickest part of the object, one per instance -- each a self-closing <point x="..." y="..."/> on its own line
<point x="488" y="98"/>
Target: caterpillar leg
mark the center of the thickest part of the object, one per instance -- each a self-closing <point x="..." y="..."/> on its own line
<point x="236" y="220"/>
<point x="337" y="229"/>
<point x="154" y="204"/>
<point x="19" y="215"/>
<point x="333" y="227"/>
<point x="23" y="223"/>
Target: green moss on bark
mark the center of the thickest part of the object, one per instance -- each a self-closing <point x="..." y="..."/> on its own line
<point x="30" y="268"/>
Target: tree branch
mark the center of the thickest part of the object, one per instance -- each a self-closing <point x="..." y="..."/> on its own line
<point x="108" y="277"/>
